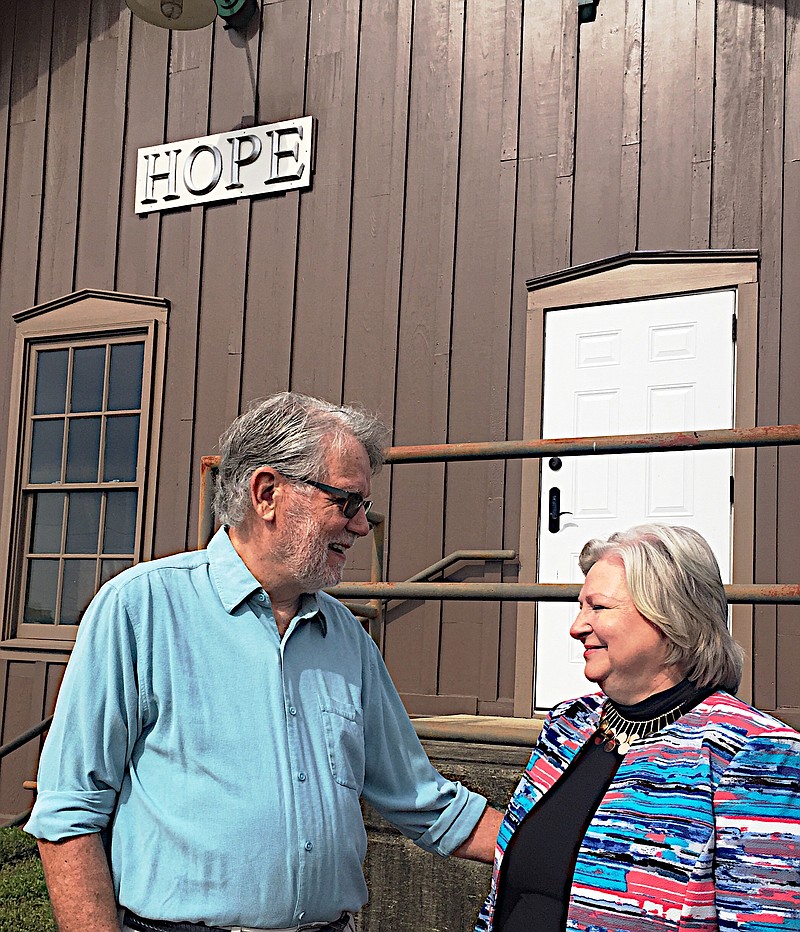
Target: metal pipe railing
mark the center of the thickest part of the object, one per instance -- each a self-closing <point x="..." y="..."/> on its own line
<point x="456" y="557"/>
<point x="381" y="592"/>
<point x="582" y="446"/>
<point x="25" y="737"/>
<point x="764" y="594"/>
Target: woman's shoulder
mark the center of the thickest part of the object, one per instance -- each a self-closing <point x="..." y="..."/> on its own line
<point x="728" y="711"/>
<point x="732" y="729"/>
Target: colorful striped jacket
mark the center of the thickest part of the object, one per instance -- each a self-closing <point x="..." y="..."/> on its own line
<point x="698" y="831"/>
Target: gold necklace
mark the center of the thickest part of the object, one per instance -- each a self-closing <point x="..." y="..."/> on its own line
<point x="617" y="733"/>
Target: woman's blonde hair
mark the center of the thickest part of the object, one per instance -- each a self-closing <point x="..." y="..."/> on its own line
<point x="674" y="581"/>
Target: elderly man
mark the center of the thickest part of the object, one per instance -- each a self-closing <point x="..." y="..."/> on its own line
<point x="220" y="716"/>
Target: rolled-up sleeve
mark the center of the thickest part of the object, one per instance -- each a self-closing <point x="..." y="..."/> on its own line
<point x="401" y="783"/>
<point x="96" y="724"/>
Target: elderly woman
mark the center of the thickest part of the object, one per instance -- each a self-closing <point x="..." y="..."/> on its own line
<point x="662" y="802"/>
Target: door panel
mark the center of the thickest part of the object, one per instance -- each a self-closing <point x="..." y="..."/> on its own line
<point x="664" y="364"/>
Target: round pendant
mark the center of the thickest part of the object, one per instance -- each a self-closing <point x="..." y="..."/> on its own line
<point x="622" y="737"/>
<point x="624" y="747"/>
<point x="610" y="745"/>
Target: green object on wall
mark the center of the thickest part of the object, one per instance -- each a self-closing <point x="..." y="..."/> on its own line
<point x="236" y="13"/>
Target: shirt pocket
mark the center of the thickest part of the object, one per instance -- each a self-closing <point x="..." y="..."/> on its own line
<point x="344" y="737"/>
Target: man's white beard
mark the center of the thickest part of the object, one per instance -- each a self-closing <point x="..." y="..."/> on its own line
<point x="304" y="552"/>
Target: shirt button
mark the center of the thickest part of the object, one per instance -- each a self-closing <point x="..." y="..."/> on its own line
<point x="309" y="846"/>
<point x="292" y="710"/>
<point x="262" y="597"/>
<point x="301" y="777"/>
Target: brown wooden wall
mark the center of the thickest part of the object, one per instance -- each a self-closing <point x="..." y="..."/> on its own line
<point x="463" y="146"/>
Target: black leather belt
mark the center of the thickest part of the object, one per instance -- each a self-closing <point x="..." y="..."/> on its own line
<point x="162" y="925"/>
<point x="139" y="924"/>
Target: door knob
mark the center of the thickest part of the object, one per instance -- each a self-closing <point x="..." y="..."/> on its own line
<point x="555" y="512"/>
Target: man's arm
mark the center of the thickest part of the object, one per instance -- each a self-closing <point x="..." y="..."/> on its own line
<point x="79" y="883"/>
<point x="480" y="843"/>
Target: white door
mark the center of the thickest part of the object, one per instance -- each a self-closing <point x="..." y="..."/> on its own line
<point x="664" y="364"/>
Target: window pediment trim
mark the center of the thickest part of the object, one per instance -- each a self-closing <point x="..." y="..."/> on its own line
<point x="141" y="306"/>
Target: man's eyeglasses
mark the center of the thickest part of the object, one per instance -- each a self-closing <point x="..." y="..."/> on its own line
<point x="349" y="502"/>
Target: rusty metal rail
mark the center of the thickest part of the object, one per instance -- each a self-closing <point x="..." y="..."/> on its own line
<point x="770" y="594"/>
<point x="581" y="446"/>
<point x="381" y="592"/>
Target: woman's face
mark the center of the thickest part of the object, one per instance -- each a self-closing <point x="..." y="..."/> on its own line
<point x="624" y="652"/>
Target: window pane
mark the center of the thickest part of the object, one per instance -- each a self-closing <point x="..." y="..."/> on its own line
<point x="48" y="516"/>
<point x="119" y="535"/>
<point x="40" y="596"/>
<point x="125" y="380"/>
<point x="48" y="440"/>
<point x="77" y="590"/>
<point x="51" y="382"/>
<point x="122" y="445"/>
<point x="88" y="374"/>
<point x="83" y="449"/>
<point x="83" y="523"/>
<point x="110" y="568"/>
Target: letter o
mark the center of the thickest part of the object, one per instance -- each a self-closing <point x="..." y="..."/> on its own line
<point x="216" y="174"/>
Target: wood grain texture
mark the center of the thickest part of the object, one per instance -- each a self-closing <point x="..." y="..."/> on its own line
<point x="704" y="52"/>
<point x="181" y="252"/>
<point x="478" y="388"/>
<point x="324" y="230"/>
<point x="786" y="633"/>
<point x="542" y="244"/>
<point x="423" y="353"/>
<point x="668" y="131"/>
<point x="24" y="159"/>
<point x="145" y="123"/>
<point x="25" y="687"/>
<point x="6" y="329"/>
<point x="26" y="140"/>
<point x="64" y="145"/>
<point x="223" y="280"/>
<point x="104" y="123"/>
<point x="604" y="192"/>
<point x="376" y="229"/>
<point x="272" y="262"/>
<point x="738" y="125"/>
<point x="6" y="60"/>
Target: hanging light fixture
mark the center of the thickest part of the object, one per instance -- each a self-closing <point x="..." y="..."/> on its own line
<point x="193" y="14"/>
<point x="175" y="14"/>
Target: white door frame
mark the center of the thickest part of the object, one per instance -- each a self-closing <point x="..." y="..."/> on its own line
<point x="624" y="278"/>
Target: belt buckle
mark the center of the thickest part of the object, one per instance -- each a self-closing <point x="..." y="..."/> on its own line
<point x="244" y="929"/>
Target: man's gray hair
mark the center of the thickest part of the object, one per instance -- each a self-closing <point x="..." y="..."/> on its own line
<point x="292" y="433"/>
<point x="674" y="581"/>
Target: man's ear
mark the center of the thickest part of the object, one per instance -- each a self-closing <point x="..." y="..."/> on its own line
<point x="264" y="484"/>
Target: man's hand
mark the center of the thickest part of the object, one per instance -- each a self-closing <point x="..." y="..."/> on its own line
<point x="79" y="883"/>
<point x="480" y="844"/>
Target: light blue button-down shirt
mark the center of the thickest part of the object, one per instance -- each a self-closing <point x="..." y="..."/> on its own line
<point x="227" y="762"/>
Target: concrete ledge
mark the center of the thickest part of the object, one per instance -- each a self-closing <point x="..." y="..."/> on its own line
<point x="411" y="891"/>
<point x="486" y="729"/>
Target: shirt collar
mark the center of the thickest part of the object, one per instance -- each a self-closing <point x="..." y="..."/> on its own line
<point x="234" y="582"/>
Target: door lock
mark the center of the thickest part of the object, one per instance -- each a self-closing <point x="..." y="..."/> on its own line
<point x="555" y="512"/>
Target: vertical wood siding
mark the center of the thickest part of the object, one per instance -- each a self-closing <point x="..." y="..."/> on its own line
<point x="463" y="146"/>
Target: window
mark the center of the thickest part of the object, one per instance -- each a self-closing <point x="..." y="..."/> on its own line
<point x="83" y="500"/>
